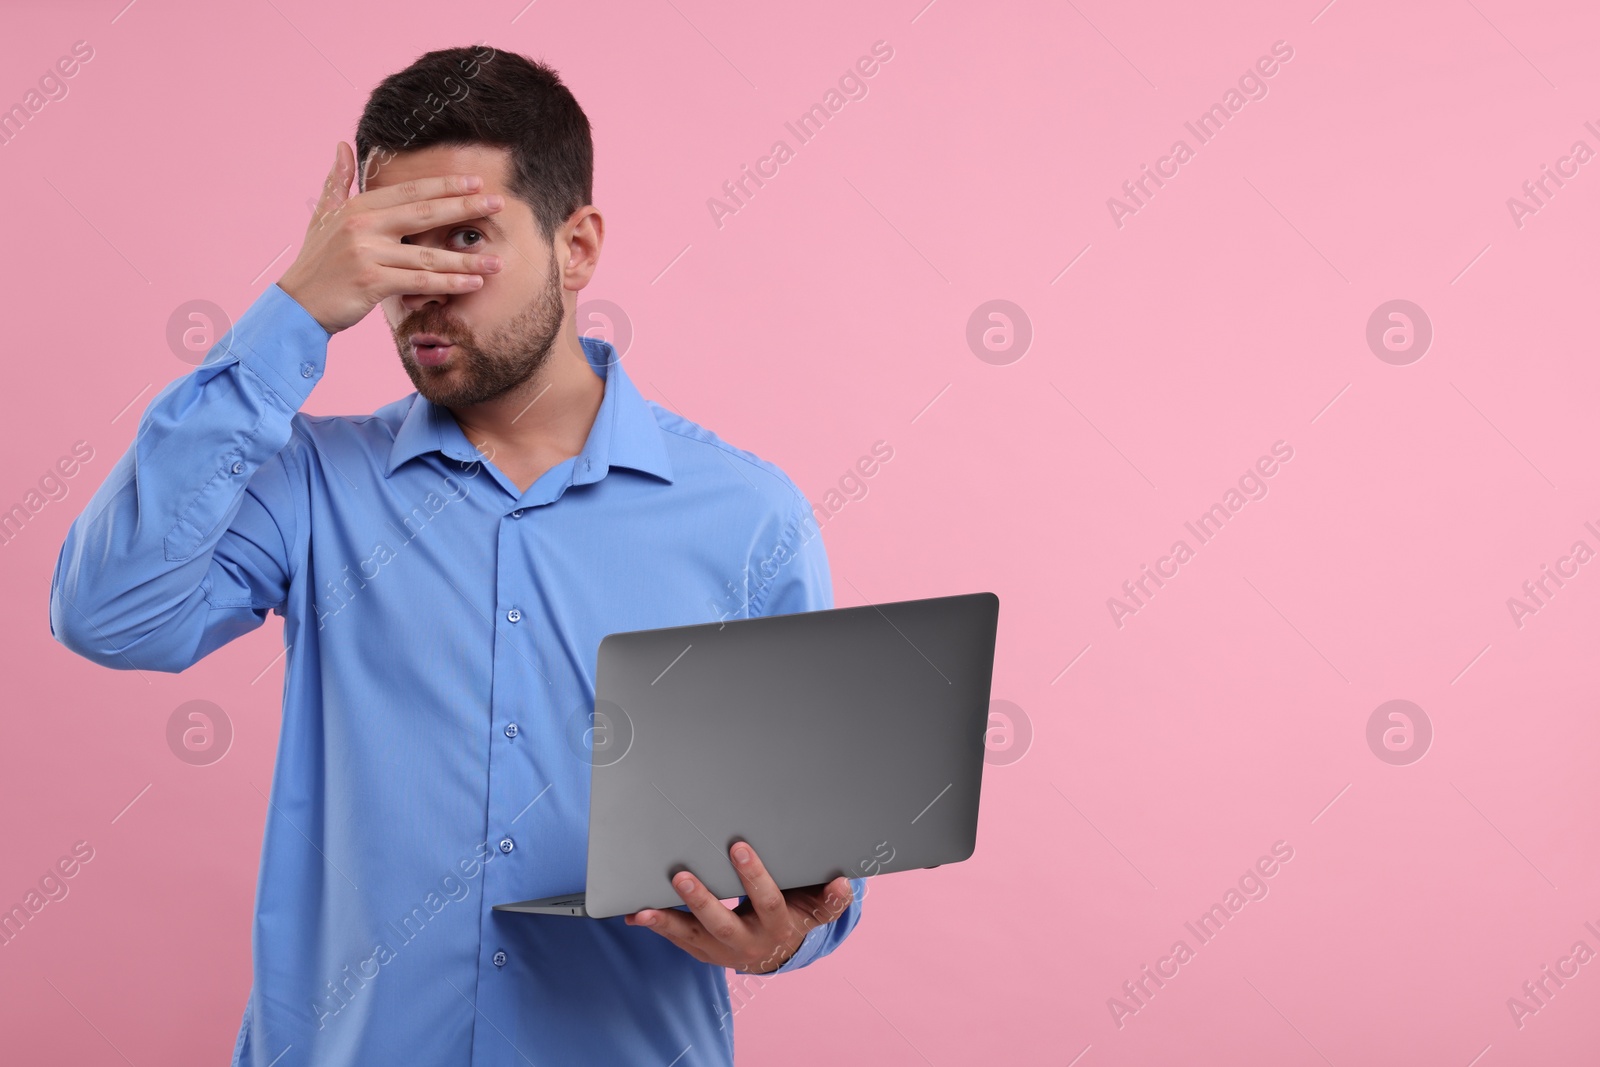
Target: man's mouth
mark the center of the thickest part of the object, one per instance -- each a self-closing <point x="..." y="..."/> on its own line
<point x="430" y="350"/>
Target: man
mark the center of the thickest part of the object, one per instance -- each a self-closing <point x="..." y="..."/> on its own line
<point x="445" y="568"/>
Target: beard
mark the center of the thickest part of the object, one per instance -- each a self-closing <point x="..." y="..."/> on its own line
<point x="481" y="370"/>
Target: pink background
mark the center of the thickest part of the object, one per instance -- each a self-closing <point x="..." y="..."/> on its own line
<point x="1229" y="313"/>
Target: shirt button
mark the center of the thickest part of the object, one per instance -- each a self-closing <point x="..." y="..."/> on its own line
<point x="514" y="615"/>
<point x="511" y="729"/>
<point x="307" y="370"/>
<point x="587" y="463"/>
<point x="506" y="844"/>
<point x="237" y="468"/>
<point x="517" y="514"/>
<point x="499" y="959"/>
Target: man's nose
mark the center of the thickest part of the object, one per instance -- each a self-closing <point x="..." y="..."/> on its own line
<point x="413" y="301"/>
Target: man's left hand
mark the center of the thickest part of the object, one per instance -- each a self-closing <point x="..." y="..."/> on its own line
<point x="760" y="934"/>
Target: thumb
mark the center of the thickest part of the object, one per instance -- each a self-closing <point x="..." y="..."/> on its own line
<point x="336" y="190"/>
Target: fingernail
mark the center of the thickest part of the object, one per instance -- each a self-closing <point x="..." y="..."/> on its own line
<point x="648" y="920"/>
<point x="493" y="200"/>
<point x="684" y="883"/>
<point x="741" y="855"/>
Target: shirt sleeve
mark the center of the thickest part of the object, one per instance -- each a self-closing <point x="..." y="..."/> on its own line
<point x="795" y="577"/>
<point x="188" y="543"/>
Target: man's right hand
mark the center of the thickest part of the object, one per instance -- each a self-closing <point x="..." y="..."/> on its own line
<point x="352" y="258"/>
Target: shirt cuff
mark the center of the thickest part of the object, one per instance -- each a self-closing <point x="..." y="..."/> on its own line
<point x="278" y="341"/>
<point x="805" y="953"/>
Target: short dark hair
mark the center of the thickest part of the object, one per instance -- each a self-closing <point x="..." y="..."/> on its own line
<point x="476" y="95"/>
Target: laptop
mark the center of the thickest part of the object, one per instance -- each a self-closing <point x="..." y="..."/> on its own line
<point x="848" y="741"/>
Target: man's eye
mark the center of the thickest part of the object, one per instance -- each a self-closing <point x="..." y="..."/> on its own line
<point x="409" y="238"/>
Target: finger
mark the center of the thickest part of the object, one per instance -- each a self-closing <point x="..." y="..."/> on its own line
<point x="402" y="281"/>
<point x="422" y="257"/>
<point x="824" y="903"/>
<point x="344" y="170"/>
<point x="682" y="930"/>
<point x="420" y="216"/>
<point x="336" y="188"/>
<point x="836" y="897"/>
<point x="763" y="893"/>
<point x="333" y="194"/>
<point x="719" y="922"/>
<point x="414" y="190"/>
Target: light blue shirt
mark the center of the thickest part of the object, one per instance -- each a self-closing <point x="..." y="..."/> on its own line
<point x="441" y="629"/>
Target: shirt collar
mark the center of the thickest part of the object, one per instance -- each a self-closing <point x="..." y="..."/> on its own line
<point x="625" y="432"/>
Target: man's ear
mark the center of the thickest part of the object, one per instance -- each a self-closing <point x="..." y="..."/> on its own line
<point x="584" y="234"/>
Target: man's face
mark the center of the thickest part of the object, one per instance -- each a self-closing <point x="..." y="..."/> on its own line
<point x="502" y="332"/>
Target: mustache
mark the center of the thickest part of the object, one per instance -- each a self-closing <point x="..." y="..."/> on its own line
<point x="443" y="329"/>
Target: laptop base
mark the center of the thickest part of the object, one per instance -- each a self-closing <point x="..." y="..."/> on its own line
<point x="567" y="904"/>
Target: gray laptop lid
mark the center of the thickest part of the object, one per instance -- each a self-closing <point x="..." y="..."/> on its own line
<point x="840" y="742"/>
